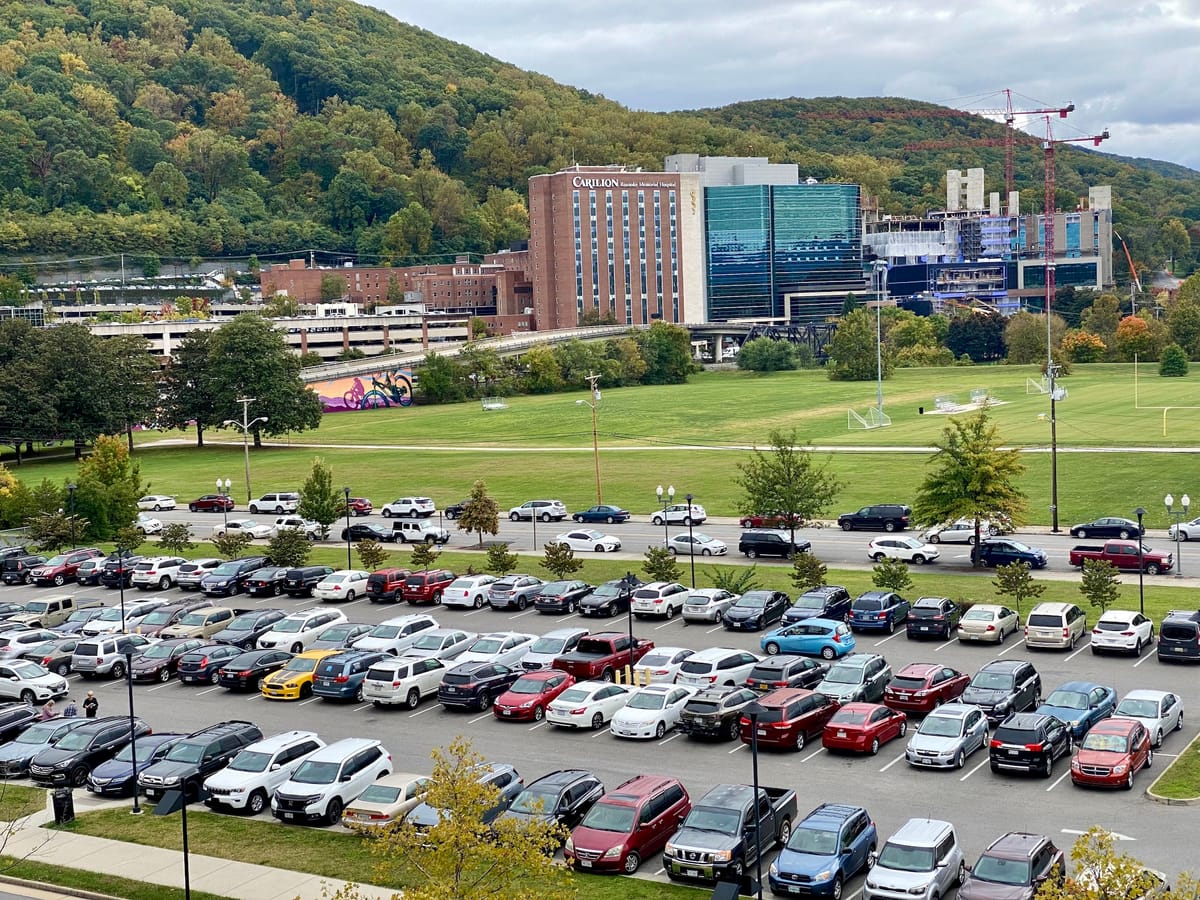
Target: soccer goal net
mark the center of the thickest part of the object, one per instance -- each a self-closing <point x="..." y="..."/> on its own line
<point x="873" y="419"/>
<point x="1037" y="385"/>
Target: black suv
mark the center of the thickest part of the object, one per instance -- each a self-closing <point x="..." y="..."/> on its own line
<point x="609" y="599"/>
<point x="300" y="582"/>
<point x="15" y="718"/>
<point x="19" y="569"/>
<point x="454" y="510"/>
<point x="231" y="577"/>
<point x="1179" y="636"/>
<point x="1003" y="687"/>
<point x="72" y="759"/>
<point x="475" y="684"/>
<point x="829" y="601"/>
<point x="1029" y="742"/>
<point x="770" y="543"/>
<point x="119" y="571"/>
<point x="562" y="797"/>
<point x="715" y="712"/>
<point x="193" y="758"/>
<point x="883" y="517"/>
<point x="786" y="671"/>
<point x="245" y="630"/>
<point x="932" y="617"/>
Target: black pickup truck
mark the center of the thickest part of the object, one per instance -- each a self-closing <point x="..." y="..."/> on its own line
<point x="717" y="841"/>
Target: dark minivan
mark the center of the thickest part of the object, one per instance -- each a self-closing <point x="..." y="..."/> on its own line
<point x="881" y="517"/>
<point x="1179" y="636"/>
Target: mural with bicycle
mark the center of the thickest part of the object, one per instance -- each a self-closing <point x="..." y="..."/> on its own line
<point x="378" y="390"/>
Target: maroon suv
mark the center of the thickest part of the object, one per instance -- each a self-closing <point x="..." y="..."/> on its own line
<point x="212" y="503"/>
<point x="628" y="825"/>
<point x="427" y="586"/>
<point x="60" y="569"/>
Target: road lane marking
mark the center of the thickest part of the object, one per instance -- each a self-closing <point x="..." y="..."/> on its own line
<point x="714" y="629"/>
<point x="476" y="612"/>
<point x="254" y="697"/>
<point x="943" y="645"/>
<point x="158" y="687"/>
<point x="974" y="770"/>
<point x="210" y="690"/>
<point x="520" y="614"/>
<point x="888" y="638"/>
<point x="537" y="726"/>
<point x="486" y="715"/>
<point x="420" y="712"/>
<point x="892" y="763"/>
<point x="309" y="700"/>
<point x="663" y="625"/>
<point x="816" y="752"/>
<point x="668" y="740"/>
<point x="1058" y="780"/>
<point x="1080" y="650"/>
<point x="1007" y="649"/>
<point x="1143" y="659"/>
<point x="601" y="731"/>
<point x="363" y="706"/>
<point x="737" y="748"/>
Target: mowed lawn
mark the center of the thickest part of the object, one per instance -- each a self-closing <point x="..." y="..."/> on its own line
<point x="541" y="446"/>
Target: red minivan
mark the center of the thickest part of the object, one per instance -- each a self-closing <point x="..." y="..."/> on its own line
<point x="628" y="825"/>
<point x="789" y="718"/>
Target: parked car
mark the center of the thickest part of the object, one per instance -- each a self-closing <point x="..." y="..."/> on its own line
<point x="412" y="507"/>
<point x="1179" y="636"/>
<point x="1111" y="754"/>
<point x="1123" y="630"/>
<point x="609" y="599"/>
<point x="810" y="637"/>
<point x="1081" y="704"/>
<point x="17" y="640"/>
<point x="341" y="676"/>
<point x="948" y="736"/>
<point x="70" y="760"/>
<point x="1108" y="527"/>
<point x="661" y="665"/>
<point x="922" y="687"/>
<point x="514" y="591"/>
<point x="365" y="531"/>
<point x="652" y="711"/>
<point x="881" y="517"/>
<point x="610" y="515"/>
<point x="396" y="635"/>
<point x="211" y="503"/>
<point x="110" y="620"/>
<point x="247" y="671"/>
<point x="258" y="770"/>
<point x="88" y="573"/>
<point x="30" y="682"/>
<point x="503" y="778"/>
<point x="61" y="568"/>
<point x="426" y="586"/>
<point x="560" y="596"/>
<point x="342" y="586"/>
<point x="787" y="719"/>
<point x="405" y="681"/>
<point x="23" y="744"/>
<point x="587" y="704"/>
<point x="1003" y="551"/>
<point x="589" y="540"/>
<point x="76" y="620"/>
<point x="505" y="647"/>
<point x="468" y="591"/>
<point x="201" y="623"/>
<point x="203" y="664"/>
<point x="562" y="797"/>
<point x="753" y="544"/>
<point x="269" y="581"/>
<point x="770" y="520"/>
<point x="829" y="601"/>
<point x="827" y="848"/>
<point x="54" y="656"/>
<point x="295" y="631"/>
<point x="156" y="502"/>
<point x="49" y="612"/>
<point x="756" y="610"/>
<point x="300" y="582"/>
<point x="1014" y="867"/>
<point x="1160" y="711"/>
<point x="330" y="779"/>
<point x="161" y="660"/>
<point x="631" y="823"/>
<point x="190" y="574"/>
<point x="717" y="666"/>
<point x="475" y="685"/>
<point x="156" y="572"/>
<point x="786" y="671"/>
<point x="193" y="758"/>
<point x="922" y="860"/>
<point x="544" y="510"/>
<point x="862" y="677"/>
<point x="932" y="617"/>
<point x="716" y="712"/>
<point x="19" y="569"/>
<point x="106" y="654"/>
<point x="1057" y="625"/>
<point x="359" y="506"/>
<point x="527" y="698"/>
<point x="707" y="604"/>
<point x="878" y="611"/>
<point x="696" y="544"/>
<point x="118" y="776"/>
<point x="863" y="728"/>
<point x="961" y="531"/>
<point x="245" y="629"/>
<point x="341" y="635"/>
<point x="441" y="643"/>
<point x="550" y="646"/>
<point x="988" y="622"/>
<point x="294" y="680"/>
<point x="386" y="585"/>
<point x="680" y="514"/>
<point x="1002" y="687"/>
<point x="1029" y="742"/>
<point x="659" y="598"/>
<point x="117" y="571"/>
<point x="908" y="549"/>
<point x="278" y="503"/>
<point x="386" y="801"/>
<point x="230" y="577"/>
<point x="257" y="530"/>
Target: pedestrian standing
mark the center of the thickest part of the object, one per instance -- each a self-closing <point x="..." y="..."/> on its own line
<point x="71" y="710"/>
<point x="90" y="705"/>
<point x="48" y="712"/>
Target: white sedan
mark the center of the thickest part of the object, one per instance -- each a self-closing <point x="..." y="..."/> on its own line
<point x="1122" y="630"/>
<point x="507" y="648"/>
<point x="156" y="502"/>
<point x="960" y="532"/>
<point x="344" y="584"/>
<point x="660" y="665"/>
<point x="588" y="704"/>
<point x="652" y="711"/>
<point x="590" y="540"/>
<point x="259" y="530"/>
<point x="148" y="524"/>
<point x="1160" y="711"/>
<point x="403" y="681"/>
<point x="988" y="622"/>
<point x="469" y="590"/>
<point x="1185" y="530"/>
<point x="697" y="544"/>
<point x="906" y="548"/>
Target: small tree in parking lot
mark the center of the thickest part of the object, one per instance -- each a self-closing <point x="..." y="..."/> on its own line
<point x="1100" y="583"/>
<point x="1100" y="871"/>
<point x="424" y="554"/>
<point x="808" y="571"/>
<point x="52" y="531"/>
<point x="661" y="565"/>
<point x="560" y="560"/>
<point x="371" y="554"/>
<point x="1016" y="582"/>
<point x="289" y="547"/>
<point x="480" y="513"/>
<point x="232" y="544"/>
<point x="499" y="561"/>
<point x="176" y="537"/>
<point x="319" y="499"/>
<point x="891" y="575"/>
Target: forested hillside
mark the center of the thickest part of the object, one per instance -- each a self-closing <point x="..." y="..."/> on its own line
<point x="210" y="127"/>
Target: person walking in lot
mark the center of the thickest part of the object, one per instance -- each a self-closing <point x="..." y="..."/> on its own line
<point x="71" y="710"/>
<point x="90" y="705"/>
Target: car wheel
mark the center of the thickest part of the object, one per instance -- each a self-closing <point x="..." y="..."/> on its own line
<point x="971" y="541"/>
<point x="477" y="603"/>
<point x="538" y="713"/>
<point x="413" y="699"/>
<point x="164" y="675"/>
<point x="256" y="803"/>
<point x="891" y="629"/>
<point x="214" y="676"/>
<point x="1048" y="766"/>
<point x="305" y="691"/>
<point x="934" y="539"/>
<point x="333" y="812"/>
<point x="918" y="559"/>
<point x="846" y="526"/>
<point x="874" y="746"/>
<point x="27" y="696"/>
<point x="571" y="607"/>
<point x="670" y="612"/>
<point x="878" y="557"/>
<point x="1150" y="758"/>
<point x="960" y="760"/>
<point x="1153" y="569"/>
<point x="632" y="863"/>
<point x="1081" y="533"/>
<point x="1128" y="784"/>
<point x="772" y="649"/>
<point x="545" y="517"/>
<point x="657" y="520"/>
<point x="828" y="653"/>
<point x="62" y="669"/>
<point x="191" y="507"/>
<point x="597" y="721"/>
<point x="889" y="526"/>
<point x="674" y="552"/>
<point x="1179" y="724"/>
<point x="118" y="671"/>
<point x="610" y="520"/>
<point x="962" y="873"/>
<point x="837" y="887"/>
<point x="297" y="648"/>
<point x="706" y="552"/>
<point x="78" y="777"/>
<point x="687" y="520"/>
<point x="731" y="730"/>
<point x="661" y="729"/>
<point x="800" y="740"/>
<point x="1124" y="535"/>
<point x="59" y="580"/>
<point x="522" y="603"/>
<point x="599" y="548"/>
<point x="485" y="701"/>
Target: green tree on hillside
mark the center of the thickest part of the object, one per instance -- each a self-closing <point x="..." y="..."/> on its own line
<point x="852" y="351"/>
<point x="189" y="393"/>
<point x="785" y="481"/>
<point x="319" y="499"/>
<point x="667" y="352"/>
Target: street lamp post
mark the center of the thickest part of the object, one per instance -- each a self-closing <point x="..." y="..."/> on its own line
<point x="881" y="272"/>
<point x="752" y="712"/>
<point x="1178" y="515"/>
<point x="691" y="545"/>
<point x="71" y="510"/>
<point x="1139" y="512"/>
<point x="664" y="504"/>
<point x="593" y="380"/>
<point x="137" y="809"/>
<point x="627" y="585"/>
<point x="346" y="492"/>
<point x="223" y="488"/>
<point x="246" y="424"/>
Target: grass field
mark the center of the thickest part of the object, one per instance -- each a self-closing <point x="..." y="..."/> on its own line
<point x="1181" y="780"/>
<point x="542" y="445"/>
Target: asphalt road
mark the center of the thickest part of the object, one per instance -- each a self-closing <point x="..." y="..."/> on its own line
<point x="983" y="805"/>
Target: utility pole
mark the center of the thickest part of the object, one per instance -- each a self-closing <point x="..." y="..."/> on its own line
<point x="246" y="424"/>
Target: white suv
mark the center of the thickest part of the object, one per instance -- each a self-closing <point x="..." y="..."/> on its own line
<point x="659" y="598"/>
<point x="259" y="769"/>
<point x="329" y="779"/>
<point x="717" y="667"/>
<point x="312" y="530"/>
<point x="921" y="861"/>
<point x="276" y="503"/>
<point x="109" y="621"/>
<point x="396" y="635"/>
<point x="680" y="514"/>
<point x="296" y="631"/>
<point x="403" y="681"/>
<point x="157" y="571"/>
<point x="413" y="507"/>
<point x="469" y="590"/>
<point x="545" y="510"/>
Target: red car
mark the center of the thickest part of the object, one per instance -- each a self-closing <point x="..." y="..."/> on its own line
<point x="426" y="586"/>
<point x="1112" y="753"/>
<point x="919" y="687"/>
<point x="789" y="718"/>
<point x="527" y="699"/>
<point x="359" y="506"/>
<point x="630" y="823"/>
<point x="60" y="569"/>
<point x="212" y="503"/>
<point x="863" y="727"/>
<point x="769" y="521"/>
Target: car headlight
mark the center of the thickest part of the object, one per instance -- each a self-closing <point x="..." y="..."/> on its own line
<point x="722" y="856"/>
<point x="613" y="852"/>
<point x="773" y="869"/>
<point x="917" y="891"/>
<point x="823" y="876"/>
<point x="1075" y="765"/>
<point x="1002" y="706"/>
<point x="569" y="846"/>
<point x="1119" y="770"/>
<point x="871" y="884"/>
<point x="171" y="779"/>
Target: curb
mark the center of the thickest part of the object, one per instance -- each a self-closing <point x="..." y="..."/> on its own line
<point x="1173" y="801"/>
<point x="51" y="888"/>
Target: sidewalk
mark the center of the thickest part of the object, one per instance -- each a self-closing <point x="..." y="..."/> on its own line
<point x="153" y="865"/>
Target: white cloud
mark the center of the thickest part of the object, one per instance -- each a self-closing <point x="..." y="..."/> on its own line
<point x="1128" y="67"/>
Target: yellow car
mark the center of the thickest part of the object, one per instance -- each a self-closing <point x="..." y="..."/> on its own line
<point x="294" y="681"/>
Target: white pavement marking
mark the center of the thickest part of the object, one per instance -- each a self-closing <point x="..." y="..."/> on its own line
<point x="663" y="625"/>
<point x="1158" y="753"/>
<point x="254" y="697"/>
<point x="888" y="638"/>
<point x="520" y="614"/>
<point x="476" y="612"/>
<point x="209" y="691"/>
<point x="714" y="629"/>
<point x="1058" y="781"/>
<point x="486" y="715"/>
<point x="157" y="688"/>
<point x="1143" y="659"/>
<point x="816" y="752"/>
<point x="1008" y="648"/>
<point x="974" y="770"/>
<point x="309" y="700"/>
<point x="601" y="731"/>
<point x="943" y="645"/>
<point x="892" y="763"/>
<point x="660" y="872"/>
<point x="364" y="706"/>
<point x="667" y="740"/>
<point x="1080" y="650"/>
<point x="853" y="896"/>
<point x="737" y="748"/>
<point x="420" y="712"/>
<point x="537" y="726"/>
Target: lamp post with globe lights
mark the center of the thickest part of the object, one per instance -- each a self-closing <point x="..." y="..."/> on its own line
<point x="223" y="488"/>
<point x="670" y="498"/>
<point x="1178" y="515"/>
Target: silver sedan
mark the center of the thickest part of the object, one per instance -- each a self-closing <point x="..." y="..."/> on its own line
<point x="697" y="544"/>
<point x="1160" y="711"/>
<point x="707" y="604"/>
<point x="947" y="736"/>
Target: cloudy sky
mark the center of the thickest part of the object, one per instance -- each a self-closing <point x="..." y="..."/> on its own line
<point x="1131" y="67"/>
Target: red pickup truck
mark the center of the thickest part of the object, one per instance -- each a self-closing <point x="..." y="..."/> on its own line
<point x="601" y="656"/>
<point x="1124" y="555"/>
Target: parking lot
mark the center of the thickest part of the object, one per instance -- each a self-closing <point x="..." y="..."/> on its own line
<point x="982" y="804"/>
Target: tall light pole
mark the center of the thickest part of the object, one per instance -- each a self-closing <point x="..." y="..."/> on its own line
<point x="246" y="424"/>
<point x="752" y="712"/>
<point x="223" y="488"/>
<point x="691" y="546"/>
<point x="137" y="808"/>
<point x="71" y="510"/>
<point x="881" y="272"/>
<point x="346" y="492"/>
<point x="628" y="583"/>
<point x="593" y="380"/>
<point x="1139" y="512"/>
<point x="664" y="504"/>
<point x="1178" y="515"/>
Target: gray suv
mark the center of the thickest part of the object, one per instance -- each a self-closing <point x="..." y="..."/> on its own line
<point x="105" y="655"/>
<point x="921" y="861"/>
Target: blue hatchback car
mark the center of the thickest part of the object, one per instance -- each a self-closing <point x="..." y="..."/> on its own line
<point x="1081" y="704"/>
<point x="812" y="637"/>
<point x="340" y="677"/>
<point x="878" y="611"/>
<point x="832" y="844"/>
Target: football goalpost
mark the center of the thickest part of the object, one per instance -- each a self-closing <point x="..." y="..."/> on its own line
<point x="874" y="418"/>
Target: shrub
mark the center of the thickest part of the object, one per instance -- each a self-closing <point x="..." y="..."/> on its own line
<point x="1174" y="362"/>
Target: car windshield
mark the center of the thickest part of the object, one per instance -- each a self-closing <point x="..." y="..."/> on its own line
<point x="940" y="726"/>
<point x="159" y="617"/>
<point x="79" y="739"/>
<point x="528" y="686"/>
<point x="810" y="601"/>
<point x="978" y="615"/>
<point x="574" y="695"/>
<point x="336" y="632"/>
<point x="1068" y="700"/>
<point x="1138" y="709"/>
<point x="38" y="733"/>
<point x="647" y="700"/>
<point x="250" y="761"/>
<point x="810" y="840"/>
<point x="110" y="615"/>
<point x="313" y="772"/>
<point x="334" y="579"/>
<point x="429" y="642"/>
<point x="300" y="664"/>
<point x="1023" y="548"/>
<point x="535" y="801"/>
<point x="159" y="651"/>
<point x="992" y="681"/>
<point x="552" y="588"/>
<point x="290" y="626"/>
<point x="193" y="619"/>
<point x="845" y="675"/>
<point x="55" y="560"/>
<point x="1111" y="743"/>
<point x="712" y="818"/>
<point x="868" y="605"/>
<point x="1002" y="871"/>
<point x="1110" y="625"/>
<point x="906" y="859"/>
<point x="701" y="538"/>
<point x="186" y="752"/>
<point x="486" y="645"/>
<point x="848" y="717"/>
<point x="229" y="568"/>
<point x="609" y="817"/>
<point x="606" y="590"/>
<point x="547" y="645"/>
<point x="907" y="683"/>
<point x="753" y="600"/>
<point x="656" y="659"/>
<point x="385" y="631"/>
<point x="126" y="754"/>
<point x="82" y="615"/>
<point x="380" y="793"/>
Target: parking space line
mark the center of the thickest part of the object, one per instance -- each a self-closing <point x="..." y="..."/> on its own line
<point x="1080" y="650"/>
<point x="660" y="872"/>
<point x="816" y="752"/>
<point x="520" y="614"/>
<point x="663" y="625"/>
<point x="486" y="715"/>
<point x="254" y="697"/>
<point x="668" y="740"/>
<point x="974" y="770"/>
<point x="476" y="612"/>
<point x="892" y="763"/>
<point x="1008" y="648"/>
<point x="714" y="629"/>
<point x="601" y="731"/>
<point x="157" y="687"/>
<point x="737" y="748"/>
<point x="888" y="638"/>
<point x="420" y="712"/>
<point x="1143" y="659"/>
<point x="309" y="700"/>
<point x="1158" y="753"/>
<point x="1058" y="781"/>
<point x="943" y="645"/>
<point x="853" y="896"/>
<point x="363" y="706"/>
<point x="209" y="691"/>
<point x="537" y="726"/>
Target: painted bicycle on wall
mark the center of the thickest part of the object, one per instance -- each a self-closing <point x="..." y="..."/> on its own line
<point x="393" y="389"/>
